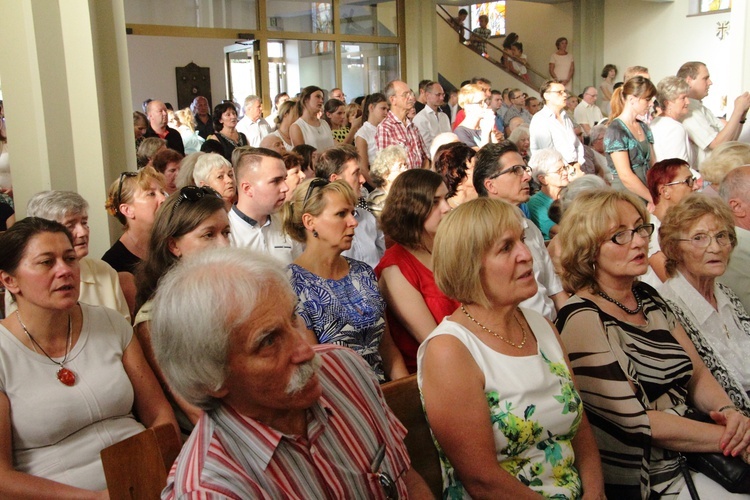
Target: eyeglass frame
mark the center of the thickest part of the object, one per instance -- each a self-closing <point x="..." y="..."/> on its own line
<point x="715" y="237"/>
<point x="649" y="231"/>
<point x="514" y="169"/>
<point x="690" y="182"/>
<point x="559" y="92"/>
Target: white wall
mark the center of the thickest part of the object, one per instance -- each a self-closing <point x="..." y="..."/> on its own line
<point x="153" y="61"/>
<point x="661" y="37"/>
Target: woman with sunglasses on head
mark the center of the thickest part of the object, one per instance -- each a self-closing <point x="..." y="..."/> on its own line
<point x="637" y="370"/>
<point x="628" y="142"/>
<point x="697" y="237"/>
<point x="190" y="221"/>
<point x="133" y="200"/>
<point x="668" y="181"/>
<point x="72" y="377"/>
<point x="476" y="128"/>
<point x="340" y="302"/>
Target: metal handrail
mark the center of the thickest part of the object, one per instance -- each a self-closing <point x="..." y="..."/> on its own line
<point x="499" y="57"/>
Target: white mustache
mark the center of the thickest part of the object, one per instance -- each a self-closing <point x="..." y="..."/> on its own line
<point x="302" y="375"/>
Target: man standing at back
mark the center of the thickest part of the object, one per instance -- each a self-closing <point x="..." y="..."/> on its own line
<point x="204" y="124"/>
<point x="254" y="220"/>
<point x="253" y="125"/>
<point x="156" y="112"/>
<point x="551" y="127"/>
<point x="396" y="128"/>
<point x="501" y="173"/>
<point x="735" y="190"/>
<point x="587" y="113"/>
<point x="706" y="132"/>
<point x="431" y="121"/>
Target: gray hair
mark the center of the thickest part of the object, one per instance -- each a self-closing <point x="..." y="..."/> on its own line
<point x="544" y="161"/>
<point x="670" y="88"/>
<point x="198" y="305"/>
<point x="520" y="132"/>
<point x="207" y="163"/>
<point x="384" y="162"/>
<point x="55" y="205"/>
<point x="596" y="132"/>
<point x="187" y="167"/>
<point x="249" y="99"/>
<point x="579" y="186"/>
<point x="736" y="184"/>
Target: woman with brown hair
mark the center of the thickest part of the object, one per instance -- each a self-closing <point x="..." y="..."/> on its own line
<point x="225" y="128"/>
<point x="309" y="128"/>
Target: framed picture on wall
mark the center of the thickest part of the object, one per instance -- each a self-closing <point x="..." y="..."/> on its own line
<point x="495" y="11"/>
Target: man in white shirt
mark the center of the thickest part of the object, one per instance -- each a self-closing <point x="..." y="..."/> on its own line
<point x="253" y="125"/>
<point x="551" y="127"/>
<point x="254" y="221"/>
<point x="705" y="130"/>
<point x="587" y="113"/>
<point x="431" y="121"/>
<point x="501" y="173"/>
<point x="342" y="162"/>
<point x="735" y="190"/>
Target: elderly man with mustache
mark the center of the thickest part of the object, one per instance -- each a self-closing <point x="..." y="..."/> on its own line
<point x="283" y="419"/>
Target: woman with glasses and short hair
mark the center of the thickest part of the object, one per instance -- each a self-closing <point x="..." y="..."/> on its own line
<point x="668" y="181"/>
<point x="476" y="128"/>
<point x="190" y="221"/>
<point x="636" y="368"/>
<point x="551" y="172"/>
<point x="697" y="237"/>
<point x="133" y="200"/>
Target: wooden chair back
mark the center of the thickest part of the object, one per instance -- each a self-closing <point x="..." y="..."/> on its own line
<point x="137" y="467"/>
<point x="403" y="398"/>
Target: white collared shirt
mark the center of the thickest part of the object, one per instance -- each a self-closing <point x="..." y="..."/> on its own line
<point x="269" y="238"/>
<point x="546" y="132"/>
<point x="254" y="130"/>
<point x="548" y="282"/>
<point x="431" y="123"/>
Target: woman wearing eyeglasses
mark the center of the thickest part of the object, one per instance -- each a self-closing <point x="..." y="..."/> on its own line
<point x="635" y="366"/>
<point x="133" y="200"/>
<point x="668" y="181"/>
<point x="697" y="237"/>
<point x="190" y="221"/>
<point x="551" y="172"/>
<point x="339" y="299"/>
<point x="476" y="128"/>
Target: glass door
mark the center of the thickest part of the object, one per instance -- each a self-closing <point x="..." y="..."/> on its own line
<point x="243" y="75"/>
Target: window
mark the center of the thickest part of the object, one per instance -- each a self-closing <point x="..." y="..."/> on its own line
<point x="496" y="13"/>
<point x="698" y="7"/>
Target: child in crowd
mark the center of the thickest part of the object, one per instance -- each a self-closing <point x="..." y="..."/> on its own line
<point x="480" y="34"/>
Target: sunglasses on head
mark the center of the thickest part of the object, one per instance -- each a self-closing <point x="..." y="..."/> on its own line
<point x="193" y="194"/>
<point x="315" y="183"/>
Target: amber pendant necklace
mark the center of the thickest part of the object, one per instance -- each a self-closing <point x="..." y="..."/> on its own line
<point x="64" y="375"/>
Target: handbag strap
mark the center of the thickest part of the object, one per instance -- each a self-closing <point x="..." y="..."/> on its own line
<point x="688" y="478"/>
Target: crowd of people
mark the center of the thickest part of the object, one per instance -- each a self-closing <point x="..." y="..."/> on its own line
<point x="557" y="275"/>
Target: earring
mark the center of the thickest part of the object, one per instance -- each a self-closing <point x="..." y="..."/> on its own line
<point x="315" y="233"/>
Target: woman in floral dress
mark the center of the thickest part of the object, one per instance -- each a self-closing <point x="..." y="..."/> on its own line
<point x="491" y="354"/>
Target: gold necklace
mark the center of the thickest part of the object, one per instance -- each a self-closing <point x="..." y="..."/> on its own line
<point x="507" y="341"/>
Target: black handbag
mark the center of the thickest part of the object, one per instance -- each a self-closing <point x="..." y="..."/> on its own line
<point x="730" y="472"/>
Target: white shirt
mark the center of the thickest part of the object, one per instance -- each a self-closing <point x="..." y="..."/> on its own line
<point x="546" y="132"/>
<point x="367" y="132"/>
<point x="702" y="128"/>
<point x="368" y="245"/>
<point x="254" y="130"/>
<point x="737" y="275"/>
<point x="588" y="114"/>
<point x="268" y="238"/>
<point x="547" y="281"/>
<point x="671" y="140"/>
<point x="431" y="123"/>
<point x="720" y="328"/>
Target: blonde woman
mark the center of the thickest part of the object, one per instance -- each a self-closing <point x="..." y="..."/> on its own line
<point x="190" y="137"/>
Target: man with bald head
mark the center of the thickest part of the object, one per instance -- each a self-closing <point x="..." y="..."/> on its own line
<point x="398" y="129"/>
<point x="735" y="190"/>
<point x="156" y="112"/>
<point x="255" y="223"/>
<point x="204" y="124"/>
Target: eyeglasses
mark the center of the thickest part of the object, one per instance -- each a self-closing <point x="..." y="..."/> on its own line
<point x="123" y="176"/>
<point x="518" y="170"/>
<point x="690" y="181"/>
<point x="193" y="194"/>
<point x="703" y="240"/>
<point x="560" y="92"/>
<point x="479" y="103"/>
<point x="439" y="94"/>
<point x="315" y="183"/>
<point x="407" y="95"/>
<point x="591" y="95"/>
<point x="624" y="237"/>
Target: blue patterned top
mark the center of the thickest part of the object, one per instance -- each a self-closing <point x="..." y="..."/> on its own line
<point x="348" y="312"/>
<point x="619" y="138"/>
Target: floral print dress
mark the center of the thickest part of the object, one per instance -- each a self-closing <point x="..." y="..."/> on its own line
<point x="535" y="411"/>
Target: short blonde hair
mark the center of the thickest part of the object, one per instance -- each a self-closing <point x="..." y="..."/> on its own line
<point x="585" y="226"/>
<point x="463" y="238"/>
<point x="123" y="189"/>
<point x="295" y="208"/>
<point x="470" y="94"/>
<point x="723" y="159"/>
<point x="681" y="217"/>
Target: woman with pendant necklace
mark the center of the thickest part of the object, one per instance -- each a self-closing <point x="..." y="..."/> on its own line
<point x="637" y="369"/>
<point x="71" y="375"/>
<point x="495" y="381"/>
<point x="225" y="126"/>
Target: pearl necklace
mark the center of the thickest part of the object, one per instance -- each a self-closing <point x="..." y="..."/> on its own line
<point x="507" y="341"/>
<point x="638" y="302"/>
<point x="64" y="375"/>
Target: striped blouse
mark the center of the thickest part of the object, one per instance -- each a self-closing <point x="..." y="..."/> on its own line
<point x="229" y="455"/>
<point x="622" y="371"/>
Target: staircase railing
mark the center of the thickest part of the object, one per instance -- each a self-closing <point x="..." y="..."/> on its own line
<point x="494" y="54"/>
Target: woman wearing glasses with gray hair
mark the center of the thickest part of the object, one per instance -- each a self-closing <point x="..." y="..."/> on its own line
<point x="636" y="368"/>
